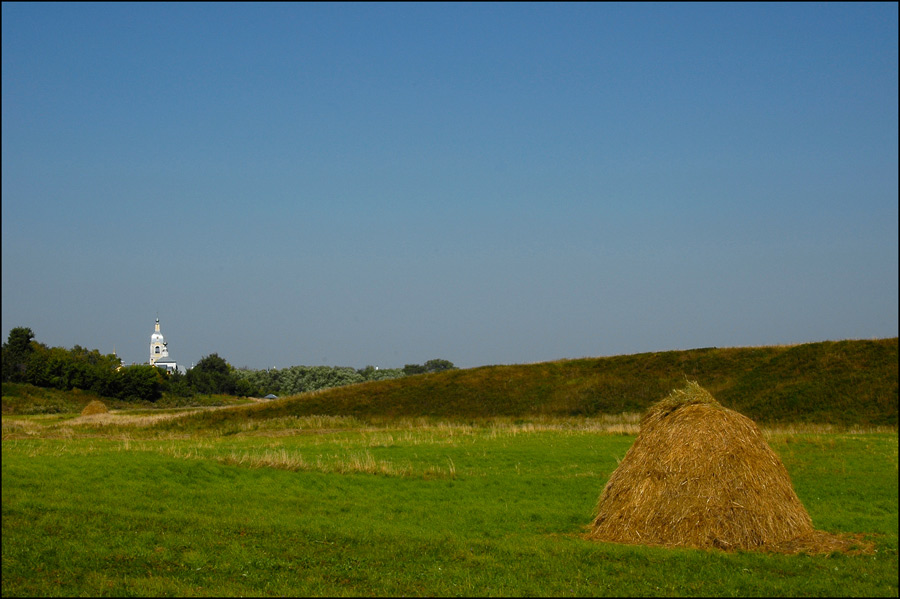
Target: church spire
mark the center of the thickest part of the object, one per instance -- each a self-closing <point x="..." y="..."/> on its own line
<point x="158" y="349"/>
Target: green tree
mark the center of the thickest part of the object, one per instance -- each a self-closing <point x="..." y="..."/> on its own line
<point x="176" y="383"/>
<point x="213" y="374"/>
<point x="141" y="382"/>
<point x="371" y="373"/>
<point x="213" y="364"/>
<point x="262" y="382"/>
<point x="411" y="369"/>
<point x="15" y="354"/>
<point x="437" y="365"/>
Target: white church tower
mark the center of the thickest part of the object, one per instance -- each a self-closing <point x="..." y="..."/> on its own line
<point x="158" y="349"/>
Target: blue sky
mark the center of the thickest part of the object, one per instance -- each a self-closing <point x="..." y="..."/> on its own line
<point x="383" y="184"/>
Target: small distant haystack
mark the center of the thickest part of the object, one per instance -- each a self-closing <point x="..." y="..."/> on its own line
<point x="95" y="407"/>
<point x="701" y="475"/>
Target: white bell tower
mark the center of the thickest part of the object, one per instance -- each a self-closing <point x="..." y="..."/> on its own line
<point x="158" y="349"/>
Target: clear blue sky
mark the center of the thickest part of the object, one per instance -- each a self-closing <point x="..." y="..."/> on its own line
<point x="356" y="184"/>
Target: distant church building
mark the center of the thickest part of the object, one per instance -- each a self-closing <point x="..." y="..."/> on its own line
<point x="159" y="352"/>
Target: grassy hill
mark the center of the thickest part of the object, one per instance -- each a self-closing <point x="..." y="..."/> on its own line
<point x="842" y="383"/>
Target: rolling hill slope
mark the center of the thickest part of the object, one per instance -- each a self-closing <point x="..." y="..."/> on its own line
<point x="833" y="382"/>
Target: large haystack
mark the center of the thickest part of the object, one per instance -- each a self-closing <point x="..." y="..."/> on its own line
<point x="701" y="475"/>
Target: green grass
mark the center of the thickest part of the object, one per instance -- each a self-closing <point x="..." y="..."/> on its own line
<point x="467" y="482"/>
<point x="27" y="399"/>
<point x="844" y="383"/>
<point x="339" y="506"/>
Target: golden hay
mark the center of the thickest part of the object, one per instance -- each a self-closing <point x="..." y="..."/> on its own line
<point x="95" y="407"/>
<point x="701" y="475"/>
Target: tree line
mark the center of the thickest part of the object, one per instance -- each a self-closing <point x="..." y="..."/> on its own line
<point x="25" y="360"/>
<point x="299" y="379"/>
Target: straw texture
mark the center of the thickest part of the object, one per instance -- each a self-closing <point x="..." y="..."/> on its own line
<point x="94" y="407"/>
<point x="701" y="475"/>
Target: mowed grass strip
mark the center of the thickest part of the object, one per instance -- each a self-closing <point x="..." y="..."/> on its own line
<point x="149" y="517"/>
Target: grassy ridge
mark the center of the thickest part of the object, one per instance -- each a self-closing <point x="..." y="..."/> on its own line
<point x="845" y="383"/>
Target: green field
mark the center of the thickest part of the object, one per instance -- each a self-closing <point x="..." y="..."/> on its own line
<point x="132" y="504"/>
